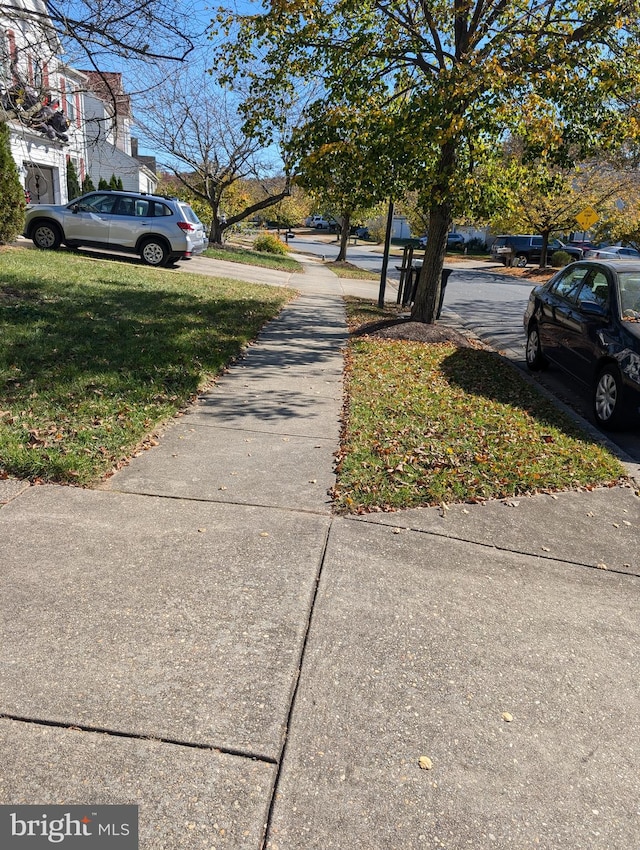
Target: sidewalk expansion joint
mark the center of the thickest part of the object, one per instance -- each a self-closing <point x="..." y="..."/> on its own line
<point x="202" y="501"/>
<point x="294" y="693"/>
<point x="115" y="733"/>
<point x="542" y="555"/>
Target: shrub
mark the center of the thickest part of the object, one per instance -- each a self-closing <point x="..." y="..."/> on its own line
<point x="270" y="244"/>
<point x="559" y="259"/>
<point x="11" y="191"/>
<point x="378" y="228"/>
<point x="73" y="185"/>
<point x="476" y="246"/>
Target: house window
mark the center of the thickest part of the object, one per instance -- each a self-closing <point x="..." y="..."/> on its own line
<point x="10" y="56"/>
<point x="38" y="73"/>
<point x="70" y="107"/>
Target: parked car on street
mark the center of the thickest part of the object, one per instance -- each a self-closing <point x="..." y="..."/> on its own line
<point x="160" y="229"/>
<point x="522" y="250"/>
<point x="586" y="320"/>
<point x="319" y="222"/>
<point x="585" y="244"/>
<point x="454" y="240"/>
<point x="612" y="252"/>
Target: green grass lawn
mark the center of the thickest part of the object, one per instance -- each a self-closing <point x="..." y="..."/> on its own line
<point x="254" y="258"/>
<point x="433" y="423"/>
<point x="347" y="270"/>
<point x="94" y="354"/>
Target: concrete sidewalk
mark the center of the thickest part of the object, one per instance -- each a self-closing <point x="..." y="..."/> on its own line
<point x="203" y="638"/>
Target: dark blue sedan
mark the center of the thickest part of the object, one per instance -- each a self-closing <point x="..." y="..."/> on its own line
<point x="586" y="320"/>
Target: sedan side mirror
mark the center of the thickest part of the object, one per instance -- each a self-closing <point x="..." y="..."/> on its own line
<point x="592" y="308"/>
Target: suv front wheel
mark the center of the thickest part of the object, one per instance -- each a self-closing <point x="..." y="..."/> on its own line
<point x="46" y="236"/>
<point x="520" y="260"/>
<point x="154" y="252"/>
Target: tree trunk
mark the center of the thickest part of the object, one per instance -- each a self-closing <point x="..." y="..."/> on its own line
<point x="425" y="306"/>
<point x="216" y="231"/>
<point x="344" y="237"/>
<point x="544" y="250"/>
<point x="427" y="300"/>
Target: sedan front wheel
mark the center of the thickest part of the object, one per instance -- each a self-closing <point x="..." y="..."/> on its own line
<point x="608" y="407"/>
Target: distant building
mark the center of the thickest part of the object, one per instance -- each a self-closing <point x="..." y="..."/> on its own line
<point x="110" y="146"/>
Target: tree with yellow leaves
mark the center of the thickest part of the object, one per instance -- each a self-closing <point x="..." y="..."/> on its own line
<point x="457" y="77"/>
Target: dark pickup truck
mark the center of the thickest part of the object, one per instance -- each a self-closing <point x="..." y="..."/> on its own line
<point x="521" y="250"/>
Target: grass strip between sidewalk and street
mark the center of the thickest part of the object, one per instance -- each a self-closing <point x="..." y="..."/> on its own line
<point x="433" y="423"/>
<point x="249" y="257"/>
<point x="96" y="354"/>
<point x="344" y="269"/>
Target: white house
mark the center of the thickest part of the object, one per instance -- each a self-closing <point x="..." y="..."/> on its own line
<point x="42" y="99"/>
<point x="58" y="114"/>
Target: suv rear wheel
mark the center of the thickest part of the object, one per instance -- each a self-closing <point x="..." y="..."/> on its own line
<point x="520" y="260"/>
<point x="154" y="252"/>
<point x="46" y="236"/>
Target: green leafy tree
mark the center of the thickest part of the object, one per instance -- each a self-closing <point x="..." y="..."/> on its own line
<point x="73" y="184"/>
<point x="545" y="199"/>
<point x="12" y="201"/>
<point x="293" y="210"/>
<point x="457" y="76"/>
<point x="343" y="164"/>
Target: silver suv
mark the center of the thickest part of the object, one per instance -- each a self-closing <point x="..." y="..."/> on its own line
<point x="160" y="229"/>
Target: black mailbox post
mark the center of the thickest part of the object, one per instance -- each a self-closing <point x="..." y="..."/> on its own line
<point x="443" y="286"/>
